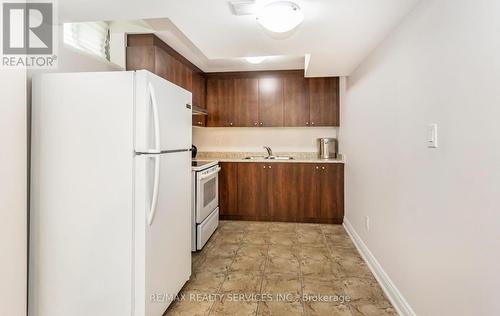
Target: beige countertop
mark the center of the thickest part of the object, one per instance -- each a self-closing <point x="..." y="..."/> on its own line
<point x="298" y="157"/>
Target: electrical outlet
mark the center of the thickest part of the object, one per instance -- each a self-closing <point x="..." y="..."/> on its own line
<point x="367" y="223"/>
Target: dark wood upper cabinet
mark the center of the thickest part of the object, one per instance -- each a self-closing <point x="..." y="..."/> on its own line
<point x="199" y="97"/>
<point x="247" y="99"/>
<point x="246" y="102"/>
<point x="141" y="57"/>
<point x="296" y="108"/>
<point x="214" y="119"/>
<point x="271" y="101"/>
<point x="220" y="102"/>
<point x="226" y="101"/>
<point x="199" y="90"/>
<point x="278" y="98"/>
<point x="146" y="51"/>
<point x="323" y="94"/>
<point x="163" y="62"/>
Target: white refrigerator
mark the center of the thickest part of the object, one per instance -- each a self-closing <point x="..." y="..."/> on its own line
<point x="110" y="194"/>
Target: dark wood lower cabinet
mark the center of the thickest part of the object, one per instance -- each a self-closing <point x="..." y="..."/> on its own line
<point x="228" y="189"/>
<point x="332" y="192"/>
<point x="252" y="190"/>
<point x="288" y="192"/>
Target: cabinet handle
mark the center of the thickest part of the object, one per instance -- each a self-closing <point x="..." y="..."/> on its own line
<point x="323" y="168"/>
<point x="261" y="123"/>
<point x="231" y="124"/>
<point x="255" y="124"/>
<point x="317" y="168"/>
<point x="307" y="123"/>
<point x="200" y="123"/>
<point x="264" y="167"/>
<point x="312" y="123"/>
<point x="269" y="167"/>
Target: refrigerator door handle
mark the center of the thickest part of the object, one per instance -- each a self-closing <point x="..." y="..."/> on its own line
<point x="156" y="118"/>
<point x="156" y="187"/>
<point x="157" y="150"/>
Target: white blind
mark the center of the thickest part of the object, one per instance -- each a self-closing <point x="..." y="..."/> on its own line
<point x="92" y="37"/>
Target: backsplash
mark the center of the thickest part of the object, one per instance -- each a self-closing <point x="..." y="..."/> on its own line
<point x="251" y="139"/>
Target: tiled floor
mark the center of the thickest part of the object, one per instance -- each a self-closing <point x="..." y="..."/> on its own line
<point x="257" y="268"/>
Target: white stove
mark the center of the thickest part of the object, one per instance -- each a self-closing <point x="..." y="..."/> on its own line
<point x="198" y="165"/>
<point x="205" y="206"/>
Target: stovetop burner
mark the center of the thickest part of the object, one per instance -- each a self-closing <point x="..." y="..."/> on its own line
<point x="200" y="163"/>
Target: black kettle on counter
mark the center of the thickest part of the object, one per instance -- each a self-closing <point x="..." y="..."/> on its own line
<point x="194" y="151"/>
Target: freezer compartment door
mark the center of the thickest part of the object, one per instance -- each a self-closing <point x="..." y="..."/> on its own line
<point x="163" y="114"/>
<point x="163" y="235"/>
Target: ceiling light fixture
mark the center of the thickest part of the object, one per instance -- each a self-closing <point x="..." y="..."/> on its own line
<point x="280" y="16"/>
<point x="255" y="60"/>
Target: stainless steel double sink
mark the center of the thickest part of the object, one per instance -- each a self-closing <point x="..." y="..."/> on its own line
<point x="268" y="158"/>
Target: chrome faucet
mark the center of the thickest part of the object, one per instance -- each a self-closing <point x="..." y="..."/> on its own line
<point x="269" y="151"/>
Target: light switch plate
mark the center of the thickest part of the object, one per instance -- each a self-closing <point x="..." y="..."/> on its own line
<point x="432" y="136"/>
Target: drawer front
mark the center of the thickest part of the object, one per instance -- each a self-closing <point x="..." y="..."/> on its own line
<point x="206" y="229"/>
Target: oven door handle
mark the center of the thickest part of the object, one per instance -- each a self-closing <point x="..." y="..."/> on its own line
<point x="203" y="177"/>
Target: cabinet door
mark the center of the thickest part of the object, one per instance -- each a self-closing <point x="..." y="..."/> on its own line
<point x="141" y="57"/>
<point x="198" y="90"/>
<point x="199" y="98"/>
<point x="187" y="78"/>
<point x="284" y="191"/>
<point x="180" y="74"/>
<point x="246" y="102"/>
<point x="214" y="117"/>
<point x="203" y="91"/>
<point x="323" y="101"/>
<point x="296" y="108"/>
<point x="228" y="192"/>
<point x="304" y="201"/>
<point x="332" y="193"/>
<point x="220" y="102"/>
<point x="226" y="101"/>
<point x="252" y="190"/>
<point x="271" y="101"/>
<point x="163" y="64"/>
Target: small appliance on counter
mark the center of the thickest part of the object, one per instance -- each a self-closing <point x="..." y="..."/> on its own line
<point x="328" y="148"/>
<point x="205" y="206"/>
<point x="194" y="151"/>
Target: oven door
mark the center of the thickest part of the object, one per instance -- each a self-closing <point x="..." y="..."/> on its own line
<point x="207" y="193"/>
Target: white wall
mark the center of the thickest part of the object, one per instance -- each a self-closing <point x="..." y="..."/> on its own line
<point x="13" y="192"/>
<point x="434" y="213"/>
<point x="252" y="139"/>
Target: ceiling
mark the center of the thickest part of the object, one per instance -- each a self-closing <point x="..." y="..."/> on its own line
<point x="334" y="38"/>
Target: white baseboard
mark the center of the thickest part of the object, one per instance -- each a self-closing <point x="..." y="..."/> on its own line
<point x="392" y="292"/>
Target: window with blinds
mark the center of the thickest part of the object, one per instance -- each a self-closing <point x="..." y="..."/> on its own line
<point x="91" y="37"/>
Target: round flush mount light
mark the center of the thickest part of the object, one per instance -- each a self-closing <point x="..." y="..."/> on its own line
<point x="280" y="16"/>
<point x="255" y="60"/>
